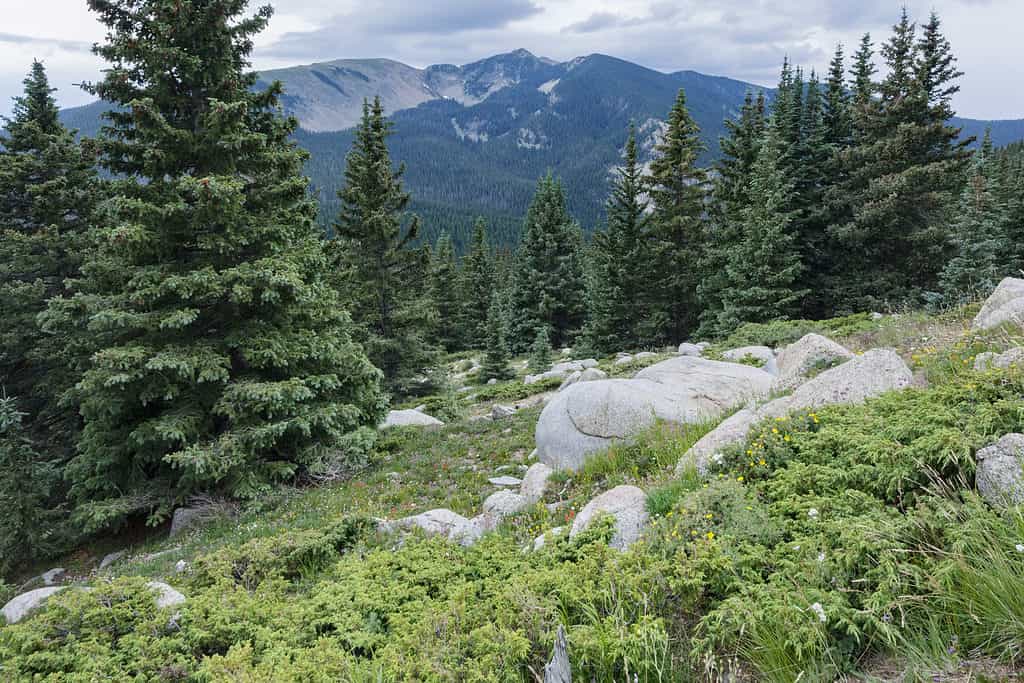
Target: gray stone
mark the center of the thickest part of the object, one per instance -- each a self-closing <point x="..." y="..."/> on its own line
<point x="588" y="417"/>
<point x="441" y="522"/>
<point x="627" y="504"/>
<point x="1004" y="305"/>
<point x="570" y="379"/>
<point x="18" y="608"/>
<point x="409" y="418"/>
<point x="761" y="353"/>
<point x="181" y="567"/>
<point x="503" y="504"/>
<point x="500" y="412"/>
<point x="687" y="349"/>
<point x="492" y="381"/>
<point x="53" y="576"/>
<point x="592" y="375"/>
<point x="186" y="518"/>
<point x="872" y="374"/>
<point x="1012" y="358"/>
<point x="535" y="482"/>
<point x="542" y="540"/>
<point x="111" y="558"/>
<point x="559" y="669"/>
<point x="420" y="408"/>
<point x="643" y="355"/>
<point x="799" y="359"/>
<point x="588" y="363"/>
<point x="165" y="595"/>
<point x="1000" y="472"/>
<point x="505" y="481"/>
<point x="623" y="360"/>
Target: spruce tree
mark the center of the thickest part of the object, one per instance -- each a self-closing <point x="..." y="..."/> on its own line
<point x="836" y="107"/>
<point x="476" y="281"/>
<point x="764" y="265"/>
<point x="445" y="294"/>
<point x="540" y="351"/>
<point x="548" y="278"/>
<point x="496" y="358"/>
<point x="678" y="236"/>
<point x="620" y="284"/>
<point x="29" y="525"/>
<point x="48" y="188"/>
<point x="980" y="243"/>
<point x="383" y="277"/>
<point x="222" y="357"/>
<point x="863" y="86"/>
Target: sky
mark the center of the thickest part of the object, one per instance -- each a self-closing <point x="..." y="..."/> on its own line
<point x="743" y="39"/>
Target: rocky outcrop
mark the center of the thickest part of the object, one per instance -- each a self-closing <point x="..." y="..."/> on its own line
<point x="409" y="418"/>
<point x="812" y="353"/>
<point x="1012" y="358"/>
<point x="872" y="374"/>
<point x="627" y="504"/>
<point x="588" y="417"/>
<point x="1004" y="305"/>
<point x="1000" y="472"/>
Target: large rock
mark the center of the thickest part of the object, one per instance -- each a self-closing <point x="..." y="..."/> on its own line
<point x="688" y="349"/>
<point x="798" y="360"/>
<point x="570" y="379"/>
<point x="18" y="608"/>
<point x="504" y="503"/>
<point x="763" y="354"/>
<point x="627" y="504"/>
<point x="165" y="595"/>
<point x="187" y="518"/>
<point x="1012" y="358"/>
<point x="500" y="412"/>
<point x="588" y="417"/>
<point x="409" y="418"/>
<point x="442" y="522"/>
<point x="535" y="482"/>
<point x="1000" y="472"/>
<point x="592" y="375"/>
<point x="872" y="374"/>
<point x="1004" y="305"/>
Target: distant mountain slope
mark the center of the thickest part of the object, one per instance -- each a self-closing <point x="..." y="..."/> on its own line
<point x="476" y="137"/>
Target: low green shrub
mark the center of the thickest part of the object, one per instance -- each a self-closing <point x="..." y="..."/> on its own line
<point x="515" y="390"/>
<point x="782" y="332"/>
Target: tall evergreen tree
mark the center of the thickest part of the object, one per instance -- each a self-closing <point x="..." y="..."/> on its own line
<point x="48" y="188"/>
<point x="836" y="107"/>
<point x="445" y="294"/>
<point x="764" y="265"/>
<point x="383" y="277"/>
<point x="496" y="358"/>
<point x="540" y="351"/>
<point x="548" y="279"/>
<point x="863" y="90"/>
<point x="678" y="242"/>
<point x="476" y="281"/>
<point x="620" y="284"/>
<point x="222" y="357"/>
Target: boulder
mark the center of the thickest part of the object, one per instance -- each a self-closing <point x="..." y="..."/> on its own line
<point x="588" y="417"/>
<point x="801" y="358"/>
<point x="592" y="375"/>
<point x="687" y="349"/>
<point x="503" y="504"/>
<point x="627" y="504"/>
<point x="761" y="353"/>
<point x="643" y="355"/>
<point x="492" y="381"/>
<point x="542" y="540"/>
<point x="186" y="518"/>
<point x="165" y="595"/>
<point x="18" y="608"/>
<point x="872" y="374"/>
<point x="1004" y="305"/>
<point x="111" y="558"/>
<point x="53" y="576"/>
<point x="1000" y="472"/>
<point x="441" y="522"/>
<point x="623" y="360"/>
<point x="409" y="418"/>
<point x="505" y="480"/>
<point x="571" y="379"/>
<point x="1012" y="358"/>
<point x="588" y="363"/>
<point x="535" y="482"/>
<point x="500" y="412"/>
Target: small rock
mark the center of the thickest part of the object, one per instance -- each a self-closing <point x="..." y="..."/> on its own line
<point x="503" y="504"/>
<point x="541" y="540"/>
<point x="1012" y="358"/>
<point x="588" y="363"/>
<point x="492" y="381"/>
<point x="687" y="349"/>
<point x="500" y="412"/>
<point x="181" y="567"/>
<point x="409" y="418"/>
<point x="166" y="596"/>
<point x="535" y="482"/>
<point x="592" y="375"/>
<point x="876" y="316"/>
<point x="1004" y="305"/>
<point x="643" y="355"/>
<point x="627" y="504"/>
<point x="799" y="359"/>
<point x="18" y="608"/>
<point x="111" y="558"/>
<point x="1000" y="471"/>
<point x="442" y="522"/>
<point x="623" y="360"/>
<point x="505" y="481"/>
<point x="186" y="518"/>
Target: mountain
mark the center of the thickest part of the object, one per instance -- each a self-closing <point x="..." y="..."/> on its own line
<point x="476" y="137"/>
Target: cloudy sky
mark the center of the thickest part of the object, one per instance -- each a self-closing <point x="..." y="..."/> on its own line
<point x="744" y="39"/>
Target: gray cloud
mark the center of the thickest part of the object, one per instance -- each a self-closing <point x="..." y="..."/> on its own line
<point x="70" y="45"/>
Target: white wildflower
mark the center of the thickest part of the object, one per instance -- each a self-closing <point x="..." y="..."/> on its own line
<point x="812" y="513"/>
<point x="821" y="557"/>
<point x="1020" y="547"/>
<point x="820" y="611"/>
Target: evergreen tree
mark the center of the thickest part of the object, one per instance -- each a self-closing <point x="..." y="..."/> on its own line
<point x="445" y="294"/>
<point x="981" y="246"/>
<point x="540" y="351"/>
<point x="678" y="238"/>
<point x="836" y="107"/>
<point x="496" y="359"/>
<point x="382" y="276"/>
<point x="222" y="357"/>
<point x="764" y="266"/>
<point x="863" y="74"/>
<point x="29" y="525"/>
<point x="48" y="188"/>
<point x="476" y="281"/>
<point x="620" y="285"/>
<point x="548" y="281"/>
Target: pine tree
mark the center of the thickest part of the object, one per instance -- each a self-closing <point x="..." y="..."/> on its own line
<point x="548" y="281"/>
<point x="496" y="359"/>
<point x="981" y="246"/>
<point x="445" y="294"/>
<point x="620" y="285"/>
<point x="764" y="266"/>
<point x="383" y="277"/>
<point x="540" y="351"/>
<point x="836" y="107"/>
<point x="29" y="526"/>
<point x="476" y="281"/>
<point x="678" y="237"/>
<point x="222" y="357"/>
<point x="48" y="188"/>
<point x="863" y="74"/>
